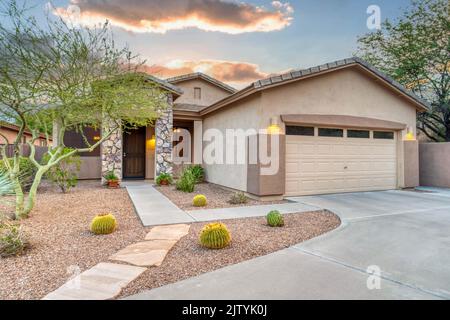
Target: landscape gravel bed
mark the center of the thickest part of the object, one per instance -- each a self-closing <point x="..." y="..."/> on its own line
<point x="61" y="244"/>
<point x="251" y="237"/>
<point x="217" y="197"/>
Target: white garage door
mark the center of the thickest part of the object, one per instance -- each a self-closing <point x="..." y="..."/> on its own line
<point x="332" y="162"/>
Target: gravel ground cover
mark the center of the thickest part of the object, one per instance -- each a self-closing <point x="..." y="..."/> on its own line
<point x="251" y="237"/>
<point x="216" y="196"/>
<point x="61" y="243"/>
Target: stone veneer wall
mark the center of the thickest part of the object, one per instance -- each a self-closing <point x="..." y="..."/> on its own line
<point x="163" y="133"/>
<point x="111" y="152"/>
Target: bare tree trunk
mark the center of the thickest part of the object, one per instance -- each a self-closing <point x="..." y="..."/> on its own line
<point x="31" y="199"/>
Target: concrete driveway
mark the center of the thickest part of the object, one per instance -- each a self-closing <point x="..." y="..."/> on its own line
<point x="404" y="234"/>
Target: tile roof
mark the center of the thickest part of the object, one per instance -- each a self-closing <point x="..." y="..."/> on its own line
<point x="165" y="84"/>
<point x="188" y="107"/>
<point x="203" y="76"/>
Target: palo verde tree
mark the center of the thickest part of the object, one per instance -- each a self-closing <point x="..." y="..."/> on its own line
<point x="415" y="51"/>
<point x="64" y="77"/>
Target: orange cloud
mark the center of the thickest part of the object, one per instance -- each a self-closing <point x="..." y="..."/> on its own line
<point x="162" y="16"/>
<point x="231" y="72"/>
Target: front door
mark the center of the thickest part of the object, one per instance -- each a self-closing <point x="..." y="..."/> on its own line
<point x="134" y="154"/>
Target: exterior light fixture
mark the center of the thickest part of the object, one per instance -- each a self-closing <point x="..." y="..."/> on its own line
<point x="274" y="127"/>
<point x="96" y="138"/>
<point x="151" y="143"/>
<point x="409" y="135"/>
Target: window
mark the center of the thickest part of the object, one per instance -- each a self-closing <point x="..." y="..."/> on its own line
<point x="197" y="93"/>
<point x="299" y="131"/>
<point x="363" y="134"/>
<point x="325" y="132"/>
<point x="383" y="135"/>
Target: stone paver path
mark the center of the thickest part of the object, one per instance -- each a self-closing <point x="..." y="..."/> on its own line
<point x="106" y="280"/>
<point x="103" y="281"/>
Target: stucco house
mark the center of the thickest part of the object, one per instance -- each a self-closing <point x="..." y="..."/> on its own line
<point x="343" y="127"/>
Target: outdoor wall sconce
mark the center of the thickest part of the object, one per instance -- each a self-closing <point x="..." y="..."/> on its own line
<point x="410" y="135"/>
<point x="274" y="127"/>
<point x="96" y="138"/>
<point x="151" y="143"/>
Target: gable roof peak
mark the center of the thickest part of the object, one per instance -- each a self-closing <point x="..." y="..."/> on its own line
<point x="200" y="75"/>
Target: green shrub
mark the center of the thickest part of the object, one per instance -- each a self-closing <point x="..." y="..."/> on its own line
<point x="275" y="219"/>
<point x="111" y="176"/>
<point x="164" y="179"/>
<point x="26" y="173"/>
<point x="215" y="236"/>
<point x="12" y="239"/>
<point x="103" y="224"/>
<point x="199" y="200"/>
<point x="198" y="172"/>
<point x="65" y="173"/>
<point x="186" y="182"/>
<point x="238" y="198"/>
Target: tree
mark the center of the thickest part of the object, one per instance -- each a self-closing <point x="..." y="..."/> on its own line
<point x="415" y="51"/>
<point x="67" y="77"/>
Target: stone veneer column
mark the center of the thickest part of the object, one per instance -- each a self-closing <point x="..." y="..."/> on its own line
<point x="111" y="152"/>
<point x="163" y="133"/>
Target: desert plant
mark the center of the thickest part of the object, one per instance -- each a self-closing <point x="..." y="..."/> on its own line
<point x="215" y="236"/>
<point x="26" y="174"/>
<point x="199" y="200"/>
<point x="164" y="179"/>
<point x="198" y="172"/>
<point x="186" y="182"/>
<point x="103" y="224"/>
<point x="12" y="239"/>
<point x="6" y="185"/>
<point x="275" y="219"/>
<point x="65" y="173"/>
<point x="110" y="176"/>
<point x="238" y="198"/>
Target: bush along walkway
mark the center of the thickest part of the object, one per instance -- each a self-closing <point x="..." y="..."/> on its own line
<point x="106" y="280"/>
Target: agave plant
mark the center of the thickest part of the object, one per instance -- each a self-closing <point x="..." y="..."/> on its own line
<point x="6" y="185"/>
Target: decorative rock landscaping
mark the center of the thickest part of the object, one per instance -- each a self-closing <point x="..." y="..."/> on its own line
<point x="106" y="280"/>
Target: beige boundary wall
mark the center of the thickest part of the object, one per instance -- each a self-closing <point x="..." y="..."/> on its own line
<point x="434" y="164"/>
<point x="90" y="168"/>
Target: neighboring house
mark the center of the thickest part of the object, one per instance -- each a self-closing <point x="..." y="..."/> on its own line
<point x="344" y="127"/>
<point x="9" y="131"/>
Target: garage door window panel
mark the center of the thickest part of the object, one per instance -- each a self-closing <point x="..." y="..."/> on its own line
<point x="358" y="134"/>
<point x="299" y="131"/>
<point x="383" y="135"/>
<point x="328" y="132"/>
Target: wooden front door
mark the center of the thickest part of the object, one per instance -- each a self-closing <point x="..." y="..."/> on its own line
<point x="134" y="154"/>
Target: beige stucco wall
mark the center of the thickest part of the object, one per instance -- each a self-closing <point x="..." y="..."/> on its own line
<point x="344" y="92"/>
<point x="209" y="92"/>
<point x="90" y="168"/>
<point x="434" y="164"/>
<point x="244" y="116"/>
<point x="149" y="154"/>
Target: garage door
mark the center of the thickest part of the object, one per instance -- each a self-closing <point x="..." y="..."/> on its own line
<point x="324" y="160"/>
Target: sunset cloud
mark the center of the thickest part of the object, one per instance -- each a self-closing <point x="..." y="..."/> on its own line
<point x="161" y="16"/>
<point x="231" y="72"/>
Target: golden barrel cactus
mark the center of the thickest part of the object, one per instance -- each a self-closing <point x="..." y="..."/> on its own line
<point x="215" y="236"/>
<point x="103" y="224"/>
<point x="199" y="200"/>
<point x="275" y="219"/>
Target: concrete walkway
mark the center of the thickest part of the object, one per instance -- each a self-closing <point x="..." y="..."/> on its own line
<point x="404" y="234"/>
<point x="153" y="208"/>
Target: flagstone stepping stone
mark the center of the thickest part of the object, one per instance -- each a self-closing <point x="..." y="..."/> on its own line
<point x="101" y="282"/>
<point x="145" y="254"/>
<point x="169" y="232"/>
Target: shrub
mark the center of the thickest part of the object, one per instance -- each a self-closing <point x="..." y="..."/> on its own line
<point x="275" y="219"/>
<point x="111" y="176"/>
<point x="164" y="179"/>
<point x="215" y="236"/>
<point x="199" y="200"/>
<point x="65" y="173"/>
<point x="186" y="183"/>
<point x="103" y="224"/>
<point x="198" y="172"/>
<point x="27" y="171"/>
<point x="12" y="239"/>
<point x="238" y="198"/>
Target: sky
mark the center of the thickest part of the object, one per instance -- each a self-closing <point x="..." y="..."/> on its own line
<point x="234" y="41"/>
